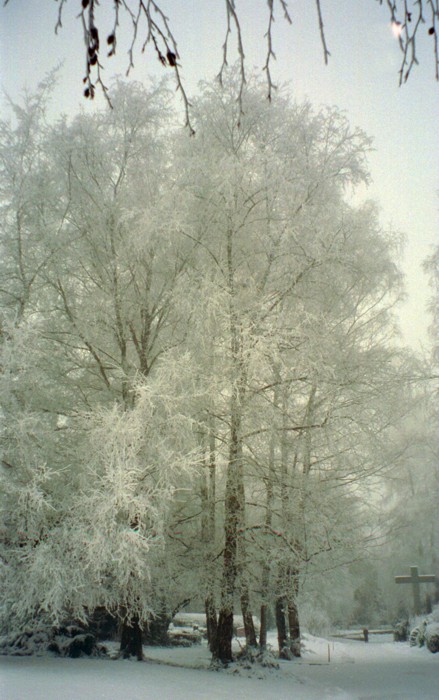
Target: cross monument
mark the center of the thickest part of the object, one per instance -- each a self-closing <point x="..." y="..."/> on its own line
<point x="415" y="579"/>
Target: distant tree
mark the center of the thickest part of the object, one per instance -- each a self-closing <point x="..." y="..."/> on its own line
<point x="152" y="27"/>
<point x="431" y="266"/>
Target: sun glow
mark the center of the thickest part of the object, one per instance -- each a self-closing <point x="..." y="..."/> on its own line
<point x="396" y="29"/>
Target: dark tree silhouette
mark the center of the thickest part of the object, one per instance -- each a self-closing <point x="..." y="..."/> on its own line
<point x="151" y="26"/>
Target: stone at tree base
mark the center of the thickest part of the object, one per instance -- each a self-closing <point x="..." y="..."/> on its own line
<point x="432" y="637"/>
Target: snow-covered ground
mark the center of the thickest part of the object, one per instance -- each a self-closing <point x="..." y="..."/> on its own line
<point x="379" y="670"/>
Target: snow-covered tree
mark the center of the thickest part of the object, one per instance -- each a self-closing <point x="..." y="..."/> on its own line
<point x="213" y="390"/>
<point x="101" y="546"/>
<point x="297" y="289"/>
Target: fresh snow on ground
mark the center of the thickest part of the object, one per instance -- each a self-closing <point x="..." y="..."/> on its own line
<point x="379" y="670"/>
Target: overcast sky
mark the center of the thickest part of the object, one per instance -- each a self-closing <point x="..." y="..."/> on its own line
<point x="361" y="78"/>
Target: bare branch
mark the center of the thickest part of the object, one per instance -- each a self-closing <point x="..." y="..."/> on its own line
<point x="326" y="53"/>
<point x="407" y="19"/>
<point x="232" y="15"/>
<point x="270" y="52"/>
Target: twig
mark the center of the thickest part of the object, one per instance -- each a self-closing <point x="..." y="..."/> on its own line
<point x="326" y="53"/>
<point x="233" y="15"/>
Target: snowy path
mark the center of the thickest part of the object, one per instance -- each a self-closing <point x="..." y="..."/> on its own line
<point x="374" y="671"/>
<point x="357" y="671"/>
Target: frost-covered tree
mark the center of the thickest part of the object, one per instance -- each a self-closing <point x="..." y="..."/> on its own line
<point x="213" y="386"/>
<point x="431" y="267"/>
<point x="113" y="312"/>
<point x="296" y="295"/>
<point x="102" y="547"/>
<point x="88" y="285"/>
<point x="33" y="445"/>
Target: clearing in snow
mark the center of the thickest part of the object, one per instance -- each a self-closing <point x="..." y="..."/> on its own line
<point x="379" y="670"/>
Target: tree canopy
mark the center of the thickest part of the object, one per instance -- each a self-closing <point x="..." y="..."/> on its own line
<point x="200" y="382"/>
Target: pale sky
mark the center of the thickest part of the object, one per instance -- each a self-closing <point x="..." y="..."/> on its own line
<point x="361" y="78"/>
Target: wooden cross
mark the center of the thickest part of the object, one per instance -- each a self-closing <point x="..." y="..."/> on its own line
<point x="415" y="580"/>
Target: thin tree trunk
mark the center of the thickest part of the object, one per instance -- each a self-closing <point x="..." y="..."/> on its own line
<point x="294" y="627"/>
<point x="208" y="537"/>
<point x="264" y="626"/>
<point x="249" y="626"/>
<point x="282" y="636"/>
<point x="233" y="504"/>
<point x="292" y="575"/>
<point x="212" y="480"/>
<point x="293" y="613"/>
<point x="211" y="622"/>
<point x="281" y="603"/>
<point x="223" y="647"/>
<point x="265" y="578"/>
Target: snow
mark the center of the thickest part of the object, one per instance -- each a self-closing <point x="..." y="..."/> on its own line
<point x="379" y="670"/>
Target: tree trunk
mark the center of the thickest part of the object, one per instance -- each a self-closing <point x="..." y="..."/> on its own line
<point x="211" y="622"/>
<point x="249" y="627"/>
<point x="224" y="636"/>
<point x="294" y="628"/>
<point x="282" y="638"/>
<point x="208" y="505"/>
<point x="269" y="497"/>
<point x="131" y="639"/>
<point x="223" y="646"/>
<point x="263" y="629"/>
<point x="233" y="503"/>
<point x="232" y="523"/>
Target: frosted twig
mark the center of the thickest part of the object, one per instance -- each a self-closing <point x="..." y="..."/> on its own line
<point x="160" y="35"/>
<point x="232" y="15"/>
<point x="268" y="35"/>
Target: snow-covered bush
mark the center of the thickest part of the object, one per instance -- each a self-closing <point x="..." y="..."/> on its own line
<point x="401" y="631"/>
<point x="426" y="632"/>
<point x="71" y="641"/>
<point x="417" y="635"/>
<point x="432" y="637"/>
